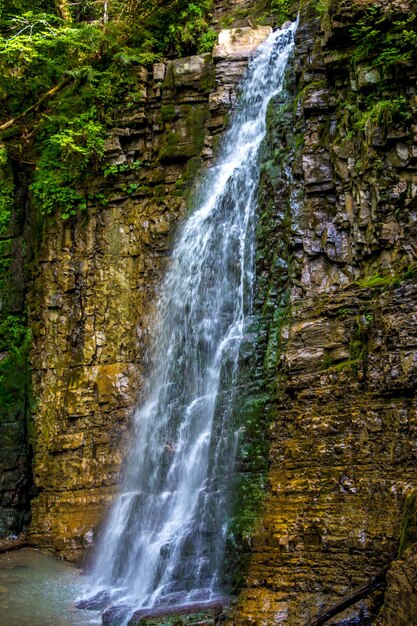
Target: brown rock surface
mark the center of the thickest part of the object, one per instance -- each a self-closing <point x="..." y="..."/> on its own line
<point x="336" y="282"/>
<point x="400" y="600"/>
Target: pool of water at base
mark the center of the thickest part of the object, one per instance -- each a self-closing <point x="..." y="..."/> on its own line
<point x="37" y="589"/>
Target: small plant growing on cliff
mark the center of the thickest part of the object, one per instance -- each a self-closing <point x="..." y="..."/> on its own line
<point x="120" y="168"/>
<point x="207" y="40"/>
<point x="385" y="38"/>
<point x="65" y="160"/>
<point x="383" y="112"/>
<point x="281" y="9"/>
<point x="376" y="281"/>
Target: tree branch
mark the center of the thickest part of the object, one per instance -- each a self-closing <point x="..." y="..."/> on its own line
<point x="35" y="106"/>
<point x="351" y="598"/>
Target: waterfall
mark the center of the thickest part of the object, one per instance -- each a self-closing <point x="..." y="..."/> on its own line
<point x="165" y="537"/>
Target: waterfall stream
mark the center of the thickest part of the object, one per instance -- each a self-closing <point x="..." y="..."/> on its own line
<point x="165" y="537"/>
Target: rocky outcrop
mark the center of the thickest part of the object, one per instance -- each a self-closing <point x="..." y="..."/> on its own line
<point x="93" y="302"/>
<point x="400" y="599"/>
<point x="337" y="283"/>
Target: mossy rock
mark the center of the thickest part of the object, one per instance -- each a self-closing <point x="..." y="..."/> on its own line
<point x="184" y="138"/>
<point x="195" y="614"/>
<point x="408" y="532"/>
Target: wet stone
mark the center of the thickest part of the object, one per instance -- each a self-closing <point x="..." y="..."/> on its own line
<point x="195" y="614"/>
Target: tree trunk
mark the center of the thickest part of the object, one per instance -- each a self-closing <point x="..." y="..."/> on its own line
<point x="62" y="8"/>
<point x="35" y="106"/>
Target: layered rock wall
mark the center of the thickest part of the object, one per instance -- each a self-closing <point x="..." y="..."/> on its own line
<point x="336" y="270"/>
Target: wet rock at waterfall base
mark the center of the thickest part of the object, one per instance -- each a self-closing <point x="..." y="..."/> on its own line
<point x="96" y="603"/>
<point x="198" y="613"/>
<point x="194" y="614"/>
<point x="115" y="615"/>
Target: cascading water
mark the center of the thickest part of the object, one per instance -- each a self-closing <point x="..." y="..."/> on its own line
<point x="165" y="538"/>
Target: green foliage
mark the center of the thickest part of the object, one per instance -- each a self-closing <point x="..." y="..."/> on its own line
<point x="17" y="7"/>
<point x="387" y="38"/>
<point x="15" y="339"/>
<point x="6" y="191"/>
<point x="383" y="112"/>
<point x="13" y="332"/>
<point x="271" y="12"/>
<point x="91" y="65"/>
<point x="327" y="361"/>
<point x="117" y="169"/>
<point x="189" y="25"/>
<point x="322" y="7"/>
<point x="207" y="40"/>
<point x="66" y="159"/>
<point x="385" y="42"/>
<point x="281" y="9"/>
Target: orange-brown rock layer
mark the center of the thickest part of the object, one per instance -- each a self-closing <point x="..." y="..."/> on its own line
<point x="337" y="282"/>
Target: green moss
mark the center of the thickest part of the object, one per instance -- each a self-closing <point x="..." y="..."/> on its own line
<point x="274" y="348"/>
<point x="352" y="365"/>
<point x="178" y="145"/>
<point x="15" y="338"/>
<point x="327" y="361"/>
<point x="168" y="112"/>
<point x="383" y="112"/>
<point x="408" y="531"/>
<point x="411" y="272"/>
<point x="377" y="281"/>
<point x="117" y="169"/>
<point x="249" y="494"/>
<point x="208" y="79"/>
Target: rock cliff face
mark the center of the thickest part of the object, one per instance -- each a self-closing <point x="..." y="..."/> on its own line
<point x="336" y="268"/>
<point x="336" y="295"/>
<point x="92" y="305"/>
